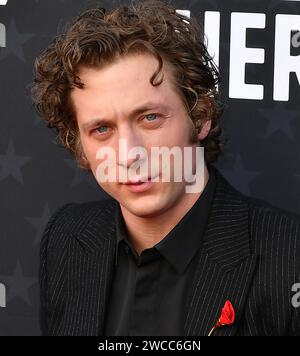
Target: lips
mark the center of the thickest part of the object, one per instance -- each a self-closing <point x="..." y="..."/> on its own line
<point x="140" y="181"/>
<point x="134" y="183"/>
<point x="140" y="186"/>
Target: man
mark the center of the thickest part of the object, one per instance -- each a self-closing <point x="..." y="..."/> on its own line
<point x="154" y="259"/>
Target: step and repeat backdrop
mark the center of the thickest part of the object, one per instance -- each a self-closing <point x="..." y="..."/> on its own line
<point x="256" y="44"/>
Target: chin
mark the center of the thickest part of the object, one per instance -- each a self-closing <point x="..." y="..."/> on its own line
<point x="144" y="211"/>
<point x="144" y="208"/>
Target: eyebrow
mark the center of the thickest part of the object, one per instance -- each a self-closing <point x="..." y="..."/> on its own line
<point x="139" y="110"/>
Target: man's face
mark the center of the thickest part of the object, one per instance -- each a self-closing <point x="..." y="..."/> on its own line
<point x="111" y="94"/>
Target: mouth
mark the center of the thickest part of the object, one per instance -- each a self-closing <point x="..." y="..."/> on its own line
<point x="140" y="181"/>
<point x="139" y="186"/>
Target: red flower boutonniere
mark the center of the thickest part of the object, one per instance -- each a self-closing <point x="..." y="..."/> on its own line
<point x="226" y="318"/>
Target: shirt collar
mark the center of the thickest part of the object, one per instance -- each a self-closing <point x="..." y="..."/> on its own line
<point x="180" y="245"/>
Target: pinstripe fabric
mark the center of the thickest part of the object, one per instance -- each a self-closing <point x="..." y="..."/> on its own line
<point x="250" y="255"/>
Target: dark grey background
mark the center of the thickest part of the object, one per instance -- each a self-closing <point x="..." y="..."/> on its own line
<point x="37" y="176"/>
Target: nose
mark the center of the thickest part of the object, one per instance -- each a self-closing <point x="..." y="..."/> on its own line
<point x="130" y="147"/>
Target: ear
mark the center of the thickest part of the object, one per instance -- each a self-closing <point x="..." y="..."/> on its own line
<point x="83" y="161"/>
<point x="205" y="130"/>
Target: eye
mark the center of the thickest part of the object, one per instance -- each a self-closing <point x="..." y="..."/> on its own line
<point x="101" y="129"/>
<point x="151" y="117"/>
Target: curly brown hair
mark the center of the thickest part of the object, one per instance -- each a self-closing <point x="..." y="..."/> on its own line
<point x="97" y="37"/>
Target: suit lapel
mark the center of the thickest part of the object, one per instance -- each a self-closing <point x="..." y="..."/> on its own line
<point x="90" y="270"/>
<point x="225" y="264"/>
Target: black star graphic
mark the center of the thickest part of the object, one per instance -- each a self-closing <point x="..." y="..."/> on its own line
<point x="17" y="285"/>
<point x="80" y="176"/>
<point x="44" y="0"/>
<point x="191" y="3"/>
<point x="39" y="223"/>
<point x="14" y="42"/>
<point x="11" y="164"/>
<point x="274" y="3"/>
<point x="239" y="176"/>
<point x="37" y="120"/>
<point x="279" y="119"/>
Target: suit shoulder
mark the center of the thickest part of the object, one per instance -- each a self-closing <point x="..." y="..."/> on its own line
<point x="72" y="217"/>
<point x="263" y="209"/>
<point x="256" y="206"/>
<point x="82" y="211"/>
<point x="273" y="229"/>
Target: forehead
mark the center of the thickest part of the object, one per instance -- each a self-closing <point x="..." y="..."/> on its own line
<point x="123" y="84"/>
<point x="136" y="68"/>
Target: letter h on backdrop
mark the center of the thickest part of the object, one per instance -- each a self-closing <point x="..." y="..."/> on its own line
<point x="2" y="296"/>
<point x="2" y="28"/>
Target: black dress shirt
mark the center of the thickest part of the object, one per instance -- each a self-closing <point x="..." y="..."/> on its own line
<point x="149" y="292"/>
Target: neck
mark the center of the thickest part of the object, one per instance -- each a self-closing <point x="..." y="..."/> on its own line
<point x="145" y="232"/>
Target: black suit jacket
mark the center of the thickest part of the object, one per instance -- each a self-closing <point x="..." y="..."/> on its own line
<point x="250" y="255"/>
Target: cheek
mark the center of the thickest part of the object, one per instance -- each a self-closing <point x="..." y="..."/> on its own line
<point x="179" y="132"/>
<point x="169" y="135"/>
<point x="90" y="148"/>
